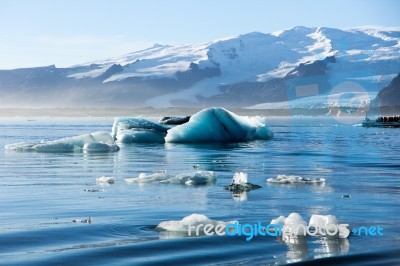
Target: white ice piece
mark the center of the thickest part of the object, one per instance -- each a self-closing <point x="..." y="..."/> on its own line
<point x="192" y="220"/>
<point x="105" y="180"/>
<point x="329" y="222"/>
<point x="94" y="142"/>
<point x="239" y="178"/>
<point x="293" y="179"/>
<point x="193" y="178"/>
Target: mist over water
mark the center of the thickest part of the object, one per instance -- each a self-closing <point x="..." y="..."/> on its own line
<point x="46" y="198"/>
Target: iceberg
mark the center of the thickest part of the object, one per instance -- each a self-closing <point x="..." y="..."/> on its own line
<point x="196" y="178"/>
<point x="94" y="142"/>
<point x="292" y="179"/>
<point x="137" y="130"/>
<point x="218" y="125"/>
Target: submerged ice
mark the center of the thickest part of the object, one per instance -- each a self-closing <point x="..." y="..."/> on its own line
<point x="94" y="142"/>
<point x="194" y="178"/>
<point x="218" y="125"/>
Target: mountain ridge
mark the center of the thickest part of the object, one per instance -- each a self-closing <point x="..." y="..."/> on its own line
<point x="246" y="70"/>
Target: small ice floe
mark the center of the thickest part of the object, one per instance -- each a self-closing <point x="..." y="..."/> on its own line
<point x="194" y="178"/>
<point x="189" y="224"/>
<point x="240" y="183"/>
<point x="292" y="221"/>
<point x="293" y="179"/>
<point x="319" y="225"/>
<point x="329" y="223"/>
<point x="83" y="221"/>
<point x="105" y="180"/>
<point x="93" y="142"/>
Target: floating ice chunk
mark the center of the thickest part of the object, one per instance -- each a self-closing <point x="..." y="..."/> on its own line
<point x="137" y="130"/>
<point x="193" y="221"/>
<point x="239" y="178"/>
<point x="292" y="179"/>
<point x="239" y="183"/>
<point x="196" y="178"/>
<point x="218" y="125"/>
<point x="105" y="180"/>
<point x="295" y="225"/>
<point x="94" y="142"/>
<point x="293" y="219"/>
<point x="160" y="177"/>
<point x="329" y="222"/>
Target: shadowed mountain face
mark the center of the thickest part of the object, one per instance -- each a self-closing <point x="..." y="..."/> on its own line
<point x="390" y="95"/>
<point x="307" y="79"/>
<point x="247" y="70"/>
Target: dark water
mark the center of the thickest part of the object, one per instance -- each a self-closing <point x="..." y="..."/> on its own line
<point x="42" y="193"/>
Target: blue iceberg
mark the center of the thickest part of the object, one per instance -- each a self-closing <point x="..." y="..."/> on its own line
<point x="137" y="130"/>
<point x="218" y="125"/>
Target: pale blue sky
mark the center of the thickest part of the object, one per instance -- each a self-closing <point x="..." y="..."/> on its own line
<point x="45" y="32"/>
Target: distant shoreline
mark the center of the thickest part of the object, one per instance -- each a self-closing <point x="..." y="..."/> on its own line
<point x="114" y="112"/>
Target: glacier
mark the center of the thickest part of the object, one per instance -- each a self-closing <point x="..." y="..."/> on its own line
<point x="94" y="142"/>
<point x="218" y="125"/>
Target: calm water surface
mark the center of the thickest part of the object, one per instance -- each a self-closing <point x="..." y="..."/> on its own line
<point x="42" y="193"/>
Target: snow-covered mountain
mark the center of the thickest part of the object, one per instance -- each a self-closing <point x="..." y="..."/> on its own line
<point x="253" y="69"/>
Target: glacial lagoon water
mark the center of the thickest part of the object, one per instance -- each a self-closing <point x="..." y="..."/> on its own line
<point x="46" y="198"/>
